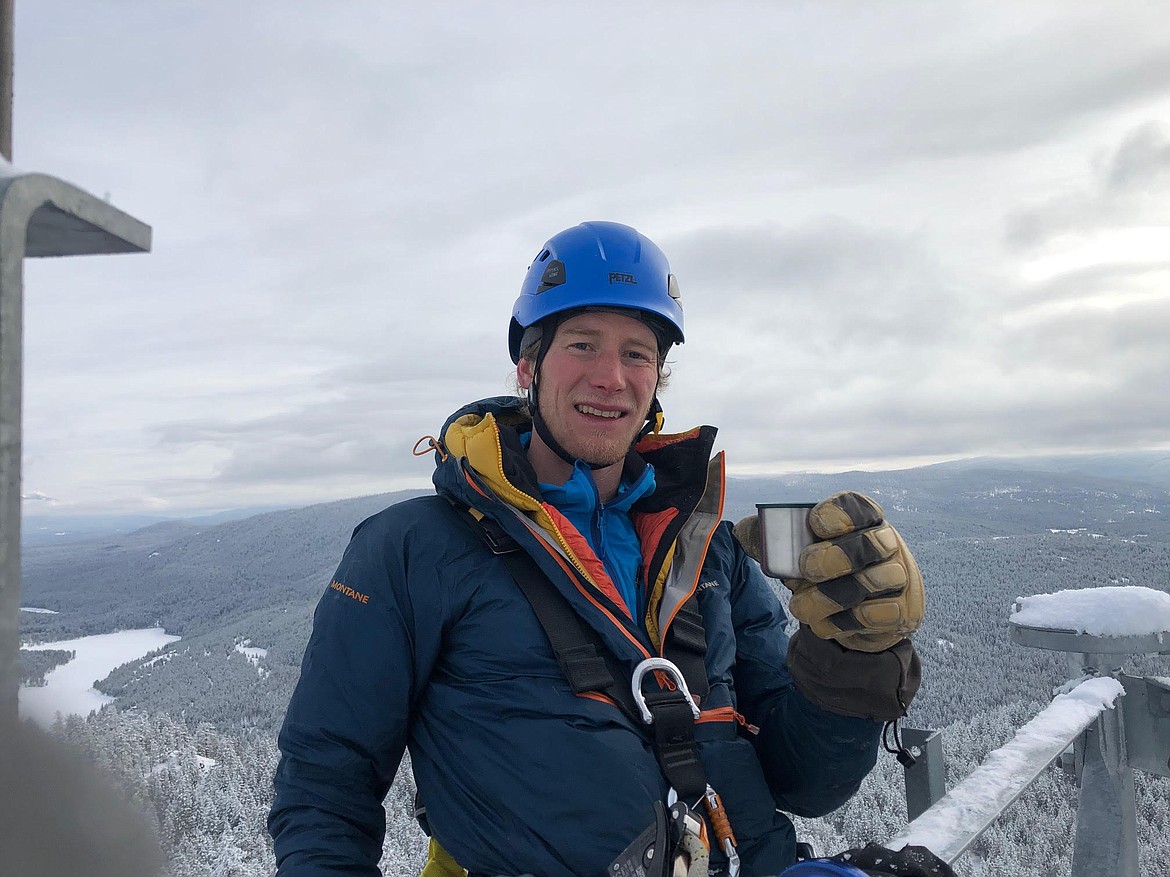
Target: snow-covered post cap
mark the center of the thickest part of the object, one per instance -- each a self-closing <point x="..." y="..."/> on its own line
<point x="1102" y="621"/>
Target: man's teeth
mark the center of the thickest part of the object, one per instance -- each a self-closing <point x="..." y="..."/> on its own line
<point x="597" y="412"/>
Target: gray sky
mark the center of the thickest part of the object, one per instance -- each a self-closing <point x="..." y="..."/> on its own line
<point x="904" y="232"/>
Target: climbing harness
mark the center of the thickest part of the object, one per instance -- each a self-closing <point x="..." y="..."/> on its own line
<point x="669" y="709"/>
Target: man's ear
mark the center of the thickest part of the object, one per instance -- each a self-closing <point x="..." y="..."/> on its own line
<point x="524" y="373"/>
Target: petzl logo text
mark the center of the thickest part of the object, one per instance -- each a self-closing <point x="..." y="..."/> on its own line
<point x="615" y="277"/>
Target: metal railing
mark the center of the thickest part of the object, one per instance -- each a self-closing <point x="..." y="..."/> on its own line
<point x="1108" y="740"/>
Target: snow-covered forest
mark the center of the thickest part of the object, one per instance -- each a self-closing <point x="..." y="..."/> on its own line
<point x="191" y="736"/>
<point x="34" y="664"/>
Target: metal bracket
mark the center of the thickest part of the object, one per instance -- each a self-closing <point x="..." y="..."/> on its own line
<point x="926" y="777"/>
<point x="1147" y="723"/>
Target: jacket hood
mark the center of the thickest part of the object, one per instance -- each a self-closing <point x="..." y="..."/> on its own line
<point x="487" y="435"/>
<point x="507" y="410"/>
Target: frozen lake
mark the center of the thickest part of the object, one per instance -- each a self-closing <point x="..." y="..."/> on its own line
<point x="69" y="688"/>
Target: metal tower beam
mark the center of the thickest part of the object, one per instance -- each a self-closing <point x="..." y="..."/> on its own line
<point x="40" y="216"/>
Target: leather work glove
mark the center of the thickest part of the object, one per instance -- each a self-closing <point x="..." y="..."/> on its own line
<point x="860" y="585"/>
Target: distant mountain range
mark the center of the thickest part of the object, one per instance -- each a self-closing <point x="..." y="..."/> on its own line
<point x="1141" y="467"/>
<point x="38" y="528"/>
<point x="191" y="575"/>
<point x="187" y="574"/>
<point x="1150" y="468"/>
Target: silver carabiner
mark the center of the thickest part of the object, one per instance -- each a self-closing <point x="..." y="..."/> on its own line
<point x="668" y="667"/>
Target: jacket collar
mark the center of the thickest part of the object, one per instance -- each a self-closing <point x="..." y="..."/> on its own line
<point x="482" y="464"/>
<point x="487" y="434"/>
<point x="578" y="495"/>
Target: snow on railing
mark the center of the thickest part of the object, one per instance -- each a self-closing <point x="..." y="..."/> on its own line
<point x="953" y="823"/>
<point x="1096" y="627"/>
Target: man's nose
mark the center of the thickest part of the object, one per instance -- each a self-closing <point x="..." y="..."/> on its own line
<point x="607" y="373"/>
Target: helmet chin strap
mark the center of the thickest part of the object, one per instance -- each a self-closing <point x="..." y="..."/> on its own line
<point x="653" y="416"/>
<point x="546" y="435"/>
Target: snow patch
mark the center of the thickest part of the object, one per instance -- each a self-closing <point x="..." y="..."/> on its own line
<point x="1108" y="611"/>
<point x="175" y="759"/>
<point x="38" y="611"/>
<point x="253" y="654"/>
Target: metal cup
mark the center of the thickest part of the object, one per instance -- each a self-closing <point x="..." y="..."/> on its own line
<point x="784" y="532"/>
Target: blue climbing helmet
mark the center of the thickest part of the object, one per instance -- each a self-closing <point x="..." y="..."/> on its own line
<point x="599" y="265"/>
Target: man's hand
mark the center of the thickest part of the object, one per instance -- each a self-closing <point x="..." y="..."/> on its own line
<point x="860" y="584"/>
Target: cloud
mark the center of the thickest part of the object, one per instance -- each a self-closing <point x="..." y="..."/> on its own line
<point x="892" y="226"/>
<point x="889" y="342"/>
<point x="1129" y="187"/>
<point x="1078" y="380"/>
<point x="820" y="312"/>
<point x="1084" y="284"/>
<point x="1142" y="158"/>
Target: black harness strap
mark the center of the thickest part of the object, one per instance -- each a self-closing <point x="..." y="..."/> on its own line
<point x="578" y="649"/>
<point x="589" y="665"/>
<point x="686" y="646"/>
<point x="674" y="744"/>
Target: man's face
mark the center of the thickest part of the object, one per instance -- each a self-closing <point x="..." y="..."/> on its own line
<point x="596" y="384"/>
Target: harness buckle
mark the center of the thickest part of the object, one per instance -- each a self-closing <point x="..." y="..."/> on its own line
<point x="675" y="675"/>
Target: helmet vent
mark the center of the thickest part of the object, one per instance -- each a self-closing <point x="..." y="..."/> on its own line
<point x="554" y="275"/>
<point x="544" y="255"/>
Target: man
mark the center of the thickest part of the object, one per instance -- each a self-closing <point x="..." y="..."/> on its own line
<point x="434" y="634"/>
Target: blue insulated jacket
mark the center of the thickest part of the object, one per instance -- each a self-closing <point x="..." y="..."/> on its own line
<point x="606" y="526"/>
<point x="423" y="640"/>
